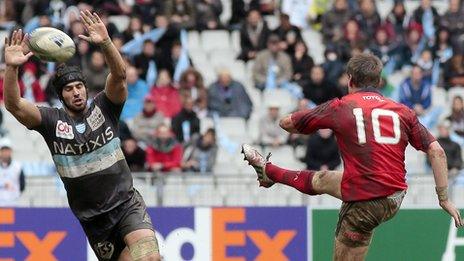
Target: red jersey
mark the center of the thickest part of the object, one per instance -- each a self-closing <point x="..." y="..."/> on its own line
<point x="372" y="134"/>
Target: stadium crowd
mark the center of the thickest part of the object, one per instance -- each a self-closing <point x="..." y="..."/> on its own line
<point x="169" y="99"/>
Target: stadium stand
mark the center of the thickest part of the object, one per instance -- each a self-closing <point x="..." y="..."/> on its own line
<point x="231" y="183"/>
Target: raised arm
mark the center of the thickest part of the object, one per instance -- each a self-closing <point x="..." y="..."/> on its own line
<point x="24" y="111"/>
<point x="116" y="87"/>
<point x="437" y="159"/>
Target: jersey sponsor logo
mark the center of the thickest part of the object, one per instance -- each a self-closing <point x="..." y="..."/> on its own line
<point x="80" y="148"/>
<point x="373" y="97"/>
<point x="80" y="128"/>
<point x="104" y="249"/>
<point x="96" y="118"/>
<point x="64" y="130"/>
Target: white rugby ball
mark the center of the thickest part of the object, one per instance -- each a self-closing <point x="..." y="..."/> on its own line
<point x="51" y="44"/>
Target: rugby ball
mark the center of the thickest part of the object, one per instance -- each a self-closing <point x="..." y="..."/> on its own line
<point x="50" y="44"/>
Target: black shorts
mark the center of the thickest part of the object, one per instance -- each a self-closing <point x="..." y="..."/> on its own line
<point x="106" y="232"/>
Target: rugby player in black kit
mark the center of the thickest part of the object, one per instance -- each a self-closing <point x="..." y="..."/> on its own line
<point x="83" y="140"/>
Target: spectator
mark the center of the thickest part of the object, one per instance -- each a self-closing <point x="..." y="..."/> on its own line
<point x="32" y="89"/>
<point x="134" y="29"/>
<point x="170" y="36"/>
<point x="240" y="8"/>
<point x="270" y="133"/>
<point x="452" y="21"/>
<point x="200" y="155"/>
<point x="181" y="13"/>
<point x="186" y="123"/>
<point x="322" y="151"/>
<point x="397" y="21"/>
<point x="301" y="62"/>
<point x="111" y="27"/>
<point x="409" y="51"/>
<point x="165" y="154"/>
<point x="443" y="49"/>
<point x="342" y="85"/>
<point x="76" y="29"/>
<point x="451" y="148"/>
<point x="12" y="180"/>
<point x="382" y="45"/>
<point x="426" y="63"/>
<point x="334" y="20"/>
<point x="2" y="75"/>
<point x="367" y="18"/>
<point x="207" y="13"/>
<point x="170" y="59"/>
<point x="288" y="34"/>
<point x="228" y="98"/>
<point x="456" y="118"/>
<point x="135" y="156"/>
<point x="191" y="86"/>
<point x="137" y="89"/>
<point x="454" y="72"/>
<point x="142" y="61"/>
<point x="96" y="73"/>
<point x="427" y="16"/>
<point x="148" y="9"/>
<point x="273" y="67"/>
<point x="333" y="66"/>
<point x="82" y="56"/>
<point x="142" y="125"/>
<point x="167" y="97"/>
<point x="317" y="89"/>
<point x="253" y="36"/>
<point x="352" y="37"/>
<point x="415" y="91"/>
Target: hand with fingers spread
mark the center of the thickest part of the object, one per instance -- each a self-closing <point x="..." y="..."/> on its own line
<point x="453" y="211"/>
<point x="98" y="34"/>
<point x="15" y="48"/>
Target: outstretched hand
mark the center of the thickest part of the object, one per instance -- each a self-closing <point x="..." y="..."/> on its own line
<point x="94" y="27"/>
<point x="15" y="48"/>
<point x="453" y="211"/>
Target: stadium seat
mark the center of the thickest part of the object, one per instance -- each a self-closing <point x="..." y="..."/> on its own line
<point x="316" y="48"/>
<point x="120" y="21"/>
<point x="415" y="161"/>
<point x="215" y="39"/>
<point x="455" y="91"/>
<point x="193" y="39"/>
<point x="280" y="97"/>
<point x="235" y="41"/>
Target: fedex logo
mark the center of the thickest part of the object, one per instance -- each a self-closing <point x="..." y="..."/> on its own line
<point x="233" y="234"/>
<point x="26" y="234"/>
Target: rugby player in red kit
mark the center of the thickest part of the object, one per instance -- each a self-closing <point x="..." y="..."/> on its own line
<point x="372" y="133"/>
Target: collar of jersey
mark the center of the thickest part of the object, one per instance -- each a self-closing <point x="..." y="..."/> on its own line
<point x="369" y="89"/>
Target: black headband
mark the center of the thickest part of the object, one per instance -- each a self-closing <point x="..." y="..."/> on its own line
<point x="66" y="75"/>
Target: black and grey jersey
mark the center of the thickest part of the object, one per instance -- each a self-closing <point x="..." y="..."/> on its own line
<point x="88" y="156"/>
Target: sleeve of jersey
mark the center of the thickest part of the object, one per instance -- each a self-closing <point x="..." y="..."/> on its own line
<point x="419" y="137"/>
<point x="48" y="119"/>
<point x="106" y="104"/>
<point x="321" y="117"/>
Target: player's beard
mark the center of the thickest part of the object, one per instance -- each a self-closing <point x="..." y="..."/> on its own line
<point x="76" y="109"/>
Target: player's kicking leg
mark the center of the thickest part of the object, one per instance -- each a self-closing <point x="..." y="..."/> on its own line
<point x="357" y="220"/>
<point x="307" y="181"/>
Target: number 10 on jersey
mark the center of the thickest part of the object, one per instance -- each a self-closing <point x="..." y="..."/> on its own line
<point x="376" y="113"/>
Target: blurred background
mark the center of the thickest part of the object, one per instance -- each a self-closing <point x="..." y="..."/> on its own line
<point x="205" y="76"/>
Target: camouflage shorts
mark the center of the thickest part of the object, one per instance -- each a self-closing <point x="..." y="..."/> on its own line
<point x="357" y="220"/>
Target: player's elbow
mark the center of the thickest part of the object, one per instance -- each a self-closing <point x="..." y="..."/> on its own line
<point x="287" y="124"/>
<point x="436" y="150"/>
